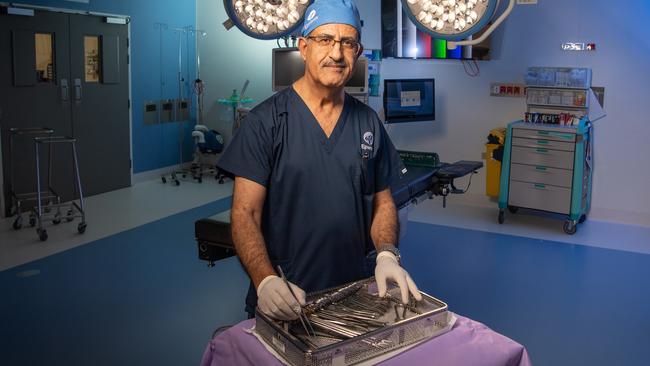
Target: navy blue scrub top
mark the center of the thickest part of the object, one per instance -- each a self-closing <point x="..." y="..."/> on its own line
<point x="318" y="209"/>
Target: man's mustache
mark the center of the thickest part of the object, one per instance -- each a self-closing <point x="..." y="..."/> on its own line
<point x="335" y="64"/>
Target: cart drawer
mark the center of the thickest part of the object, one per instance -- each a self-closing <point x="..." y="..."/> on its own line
<point x="540" y="197"/>
<point x="543" y="157"/>
<point x="543" y="143"/>
<point x="543" y="134"/>
<point x="541" y="174"/>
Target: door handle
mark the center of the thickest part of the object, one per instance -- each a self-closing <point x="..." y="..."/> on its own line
<point x="77" y="90"/>
<point x="65" y="95"/>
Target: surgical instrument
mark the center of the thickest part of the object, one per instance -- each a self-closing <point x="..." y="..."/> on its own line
<point x="301" y="314"/>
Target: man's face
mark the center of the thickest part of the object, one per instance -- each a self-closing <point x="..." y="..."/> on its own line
<point x="328" y="61"/>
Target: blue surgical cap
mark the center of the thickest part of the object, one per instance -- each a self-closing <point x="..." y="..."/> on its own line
<point x="322" y="12"/>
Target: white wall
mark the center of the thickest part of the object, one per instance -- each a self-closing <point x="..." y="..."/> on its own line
<point x="466" y="113"/>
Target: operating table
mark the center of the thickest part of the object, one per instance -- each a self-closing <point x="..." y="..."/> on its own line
<point x="419" y="183"/>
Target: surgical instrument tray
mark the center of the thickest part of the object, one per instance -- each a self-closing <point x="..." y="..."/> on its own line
<point x="353" y="324"/>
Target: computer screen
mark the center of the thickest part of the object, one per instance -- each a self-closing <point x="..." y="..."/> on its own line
<point x="288" y="67"/>
<point x="358" y="83"/>
<point x="409" y="100"/>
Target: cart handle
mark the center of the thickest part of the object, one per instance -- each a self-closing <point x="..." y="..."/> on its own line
<point x="54" y="139"/>
<point x="31" y="131"/>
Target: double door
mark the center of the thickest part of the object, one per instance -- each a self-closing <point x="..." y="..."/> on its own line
<point x="68" y="72"/>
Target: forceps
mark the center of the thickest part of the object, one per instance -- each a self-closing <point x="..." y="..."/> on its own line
<point x="301" y="315"/>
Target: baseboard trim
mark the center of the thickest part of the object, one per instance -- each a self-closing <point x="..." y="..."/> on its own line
<point x="625" y="217"/>
<point x="620" y="216"/>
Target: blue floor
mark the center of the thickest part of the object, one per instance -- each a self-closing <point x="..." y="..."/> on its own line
<point x="568" y="304"/>
<point x="142" y="297"/>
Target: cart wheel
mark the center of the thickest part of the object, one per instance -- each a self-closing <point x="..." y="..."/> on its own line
<point x="570" y="227"/>
<point x="582" y="219"/>
<point x="513" y="209"/>
<point x="502" y="216"/>
<point x="221" y="180"/>
<point x="200" y="179"/>
<point x="178" y="183"/>
<point x="164" y="180"/>
<point x="57" y="219"/>
<point x="18" y="223"/>
<point x="42" y="234"/>
<point x="68" y="216"/>
<point x="184" y="175"/>
<point x="32" y="220"/>
<point x="81" y="228"/>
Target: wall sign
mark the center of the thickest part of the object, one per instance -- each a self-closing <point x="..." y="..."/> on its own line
<point x="507" y="90"/>
<point x="578" y="46"/>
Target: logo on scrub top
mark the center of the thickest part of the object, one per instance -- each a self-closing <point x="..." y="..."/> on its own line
<point x="311" y="15"/>
<point x="368" y="138"/>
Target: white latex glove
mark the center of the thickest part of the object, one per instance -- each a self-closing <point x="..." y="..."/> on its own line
<point x="275" y="300"/>
<point x="388" y="268"/>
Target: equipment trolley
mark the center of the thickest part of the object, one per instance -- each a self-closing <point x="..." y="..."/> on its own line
<point x="20" y="199"/>
<point x="549" y="168"/>
<point x="74" y="209"/>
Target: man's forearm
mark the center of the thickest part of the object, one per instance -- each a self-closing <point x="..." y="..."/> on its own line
<point x="385" y="225"/>
<point x="250" y="247"/>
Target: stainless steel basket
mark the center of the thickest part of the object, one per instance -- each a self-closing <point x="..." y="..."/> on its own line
<point x="431" y="321"/>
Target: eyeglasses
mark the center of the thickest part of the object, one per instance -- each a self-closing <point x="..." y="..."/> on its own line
<point x="326" y="41"/>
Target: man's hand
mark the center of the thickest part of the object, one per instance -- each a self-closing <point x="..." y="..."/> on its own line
<point x="276" y="301"/>
<point x="388" y="268"/>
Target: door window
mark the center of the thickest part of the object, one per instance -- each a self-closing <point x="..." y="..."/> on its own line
<point x="44" y="57"/>
<point x="92" y="58"/>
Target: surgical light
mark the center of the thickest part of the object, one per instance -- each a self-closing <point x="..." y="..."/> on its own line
<point x="455" y="20"/>
<point x="266" y="19"/>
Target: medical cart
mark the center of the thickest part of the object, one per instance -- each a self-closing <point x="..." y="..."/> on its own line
<point x="75" y="209"/>
<point x="547" y="162"/>
<point x="18" y="200"/>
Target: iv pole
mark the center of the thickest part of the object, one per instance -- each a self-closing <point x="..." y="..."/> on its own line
<point x="177" y="111"/>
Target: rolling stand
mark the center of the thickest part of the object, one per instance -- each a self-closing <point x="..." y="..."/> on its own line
<point x="74" y="209"/>
<point x="18" y="200"/>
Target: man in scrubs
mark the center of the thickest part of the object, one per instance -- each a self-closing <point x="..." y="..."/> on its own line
<point x="313" y="168"/>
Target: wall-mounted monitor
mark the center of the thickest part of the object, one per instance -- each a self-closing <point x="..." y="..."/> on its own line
<point x="358" y="83"/>
<point x="409" y="100"/>
<point x="400" y="38"/>
<point x="288" y="66"/>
